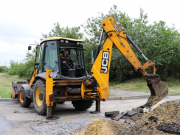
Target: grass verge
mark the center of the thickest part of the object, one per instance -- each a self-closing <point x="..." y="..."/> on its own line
<point x="140" y="85"/>
<point x="6" y="84"/>
<point x="5" y="92"/>
<point x="12" y="76"/>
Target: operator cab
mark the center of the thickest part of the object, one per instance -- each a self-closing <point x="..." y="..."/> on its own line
<point x="52" y="57"/>
<point x="74" y="66"/>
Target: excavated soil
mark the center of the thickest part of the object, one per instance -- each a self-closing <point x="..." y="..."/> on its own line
<point x="163" y="117"/>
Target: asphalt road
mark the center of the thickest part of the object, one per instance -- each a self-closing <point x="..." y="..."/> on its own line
<point x="3" y="125"/>
<point x="17" y="120"/>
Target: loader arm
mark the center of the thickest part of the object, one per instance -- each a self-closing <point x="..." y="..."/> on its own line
<point x="101" y="67"/>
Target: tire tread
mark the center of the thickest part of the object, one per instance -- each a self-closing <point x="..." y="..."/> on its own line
<point x="82" y="104"/>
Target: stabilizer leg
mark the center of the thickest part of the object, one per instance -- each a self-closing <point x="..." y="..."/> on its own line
<point x="97" y="108"/>
<point x="49" y="114"/>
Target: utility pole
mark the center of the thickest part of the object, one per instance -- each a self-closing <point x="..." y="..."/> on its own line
<point x="5" y="67"/>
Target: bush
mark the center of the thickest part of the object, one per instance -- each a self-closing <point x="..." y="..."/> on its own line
<point x="12" y="72"/>
<point x="2" y="69"/>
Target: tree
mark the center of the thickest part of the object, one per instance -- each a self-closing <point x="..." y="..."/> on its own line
<point x="66" y="32"/>
<point x="157" y="41"/>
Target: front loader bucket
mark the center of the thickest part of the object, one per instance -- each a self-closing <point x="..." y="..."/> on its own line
<point x="159" y="89"/>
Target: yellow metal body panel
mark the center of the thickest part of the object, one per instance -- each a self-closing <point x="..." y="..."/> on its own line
<point x="68" y="98"/>
<point x="101" y="77"/>
<point x="33" y="77"/>
<point x="49" y="88"/>
<point x="118" y="37"/>
<point x="148" y="64"/>
<point x="83" y="88"/>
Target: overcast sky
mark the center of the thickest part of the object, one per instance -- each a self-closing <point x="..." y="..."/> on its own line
<point x="22" y="22"/>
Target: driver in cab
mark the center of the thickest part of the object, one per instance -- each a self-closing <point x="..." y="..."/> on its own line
<point x="65" y="61"/>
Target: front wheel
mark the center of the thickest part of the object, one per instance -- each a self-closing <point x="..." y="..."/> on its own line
<point x="24" y="101"/>
<point x="39" y="97"/>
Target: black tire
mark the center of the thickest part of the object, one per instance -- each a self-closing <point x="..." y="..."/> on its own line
<point x="54" y="106"/>
<point x="24" y="101"/>
<point x="62" y="102"/>
<point x="40" y="105"/>
<point x="82" y="104"/>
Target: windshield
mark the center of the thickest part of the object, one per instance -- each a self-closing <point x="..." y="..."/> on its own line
<point x="73" y="55"/>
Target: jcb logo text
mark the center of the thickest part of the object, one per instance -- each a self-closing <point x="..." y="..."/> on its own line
<point x="105" y="60"/>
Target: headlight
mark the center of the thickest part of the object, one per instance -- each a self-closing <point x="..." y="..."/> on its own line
<point x="62" y="40"/>
<point x="52" y="74"/>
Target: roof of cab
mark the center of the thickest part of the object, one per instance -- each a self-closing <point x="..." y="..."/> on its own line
<point x="58" y="38"/>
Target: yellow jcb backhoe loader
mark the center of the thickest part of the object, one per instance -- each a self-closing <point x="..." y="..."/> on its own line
<point x="51" y="84"/>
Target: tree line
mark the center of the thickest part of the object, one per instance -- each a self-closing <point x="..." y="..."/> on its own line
<point x="3" y="69"/>
<point x="158" y="42"/>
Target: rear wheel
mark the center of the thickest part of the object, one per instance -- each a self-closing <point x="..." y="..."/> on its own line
<point x="54" y="107"/>
<point x="62" y="102"/>
<point x="39" y="97"/>
<point x="82" y="104"/>
<point x="24" y="101"/>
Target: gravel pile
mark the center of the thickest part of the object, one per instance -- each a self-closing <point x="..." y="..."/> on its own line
<point x="61" y="128"/>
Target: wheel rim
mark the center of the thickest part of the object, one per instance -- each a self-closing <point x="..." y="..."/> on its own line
<point x="21" y="95"/>
<point x="38" y="101"/>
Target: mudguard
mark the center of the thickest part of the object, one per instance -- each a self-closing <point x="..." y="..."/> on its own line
<point x="27" y="90"/>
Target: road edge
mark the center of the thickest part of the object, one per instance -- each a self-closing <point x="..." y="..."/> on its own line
<point x="137" y="97"/>
<point x="110" y="98"/>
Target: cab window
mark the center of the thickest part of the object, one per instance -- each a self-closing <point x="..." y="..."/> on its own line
<point x="51" y="57"/>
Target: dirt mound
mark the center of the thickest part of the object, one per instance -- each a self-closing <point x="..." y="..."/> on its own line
<point x="167" y="113"/>
<point x="111" y="127"/>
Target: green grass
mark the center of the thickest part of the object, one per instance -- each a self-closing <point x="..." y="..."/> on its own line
<point x="173" y="85"/>
<point x="112" y="95"/>
<point x="12" y="76"/>
<point x="6" y="84"/>
<point x="5" y="92"/>
<point x="140" y="85"/>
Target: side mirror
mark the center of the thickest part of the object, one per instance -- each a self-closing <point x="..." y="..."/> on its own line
<point x="37" y="63"/>
<point x="29" y="47"/>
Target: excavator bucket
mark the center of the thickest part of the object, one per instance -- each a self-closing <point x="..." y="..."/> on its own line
<point x="158" y="89"/>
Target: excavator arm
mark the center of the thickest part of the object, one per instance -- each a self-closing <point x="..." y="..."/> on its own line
<point x="101" y="67"/>
<point x="120" y="39"/>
